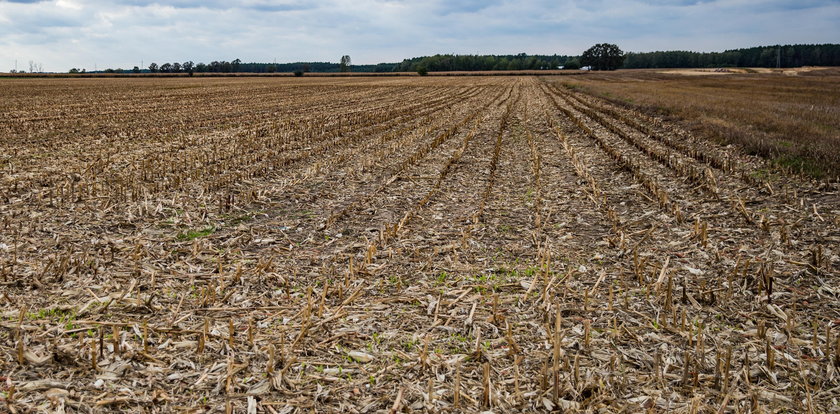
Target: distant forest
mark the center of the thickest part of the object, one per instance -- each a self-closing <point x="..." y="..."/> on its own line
<point x="444" y="63"/>
<point x="320" y="67"/>
<point x="436" y="63"/>
<point x="764" y="56"/>
<point x="240" y="67"/>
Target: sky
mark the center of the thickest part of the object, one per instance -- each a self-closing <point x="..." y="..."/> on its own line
<point x="99" y="34"/>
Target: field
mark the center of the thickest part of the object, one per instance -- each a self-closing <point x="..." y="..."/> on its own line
<point x="791" y="116"/>
<point x="429" y="244"/>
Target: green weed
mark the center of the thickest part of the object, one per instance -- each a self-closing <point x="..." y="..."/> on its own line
<point x="194" y="234"/>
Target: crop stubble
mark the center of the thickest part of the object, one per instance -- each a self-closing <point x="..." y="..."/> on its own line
<point x="364" y="245"/>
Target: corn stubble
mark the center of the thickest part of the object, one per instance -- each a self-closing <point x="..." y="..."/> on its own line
<point x="792" y="120"/>
<point x="395" y="245"/>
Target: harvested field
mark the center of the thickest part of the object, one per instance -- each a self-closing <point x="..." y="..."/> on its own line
<point x="790" y="116"/>
<point x="428" y="244"/>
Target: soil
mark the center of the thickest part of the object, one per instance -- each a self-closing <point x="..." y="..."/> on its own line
<point x="474" y="244"/>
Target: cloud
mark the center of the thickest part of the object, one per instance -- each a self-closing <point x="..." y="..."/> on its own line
<point x="123" y="33"/>
<point x="261" y="5"/>
<point x="468" y="6"/>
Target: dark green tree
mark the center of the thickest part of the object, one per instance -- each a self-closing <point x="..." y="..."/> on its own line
<point x="603" y="56"/>
<point x="572" y="64"/>
<point x="153" y="67"/>
<point x="442" y="63"/>
<point x="136" y="69"/>
<point x="345" y="63"/>
<point x="766" y="56"/>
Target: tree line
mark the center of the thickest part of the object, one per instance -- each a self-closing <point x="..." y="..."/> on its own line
<point x="443" y="63"/>
<point x="237" y="66"/>
<point x="602" y="56"/>
<point x="763" y="56"/>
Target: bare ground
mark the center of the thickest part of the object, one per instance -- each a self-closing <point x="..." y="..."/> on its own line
<point x="439" y="245"/>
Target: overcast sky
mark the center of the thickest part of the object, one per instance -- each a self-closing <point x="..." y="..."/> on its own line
<point x="61" y="34"/>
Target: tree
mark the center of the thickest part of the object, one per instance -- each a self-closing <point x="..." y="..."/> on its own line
<point x="345" y="63"/>
<point x="176" y="67"/>
<point x="384" y="67"/>
<point x="234" y="66"/>
<point x="153" y="67"/>
<point x="74" y="70"/>
<point x="136" y="69"/>
<point x="422" y="71"/>
<point x="603" y="56"/>
<point x="188" y="66"/>
<point x="572" y="64"/>
<point x="166" y="67"/>
<point x="35" y="67"/>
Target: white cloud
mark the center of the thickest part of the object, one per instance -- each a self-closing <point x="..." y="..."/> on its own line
<point x="81" y="33"/>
